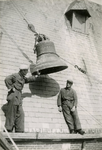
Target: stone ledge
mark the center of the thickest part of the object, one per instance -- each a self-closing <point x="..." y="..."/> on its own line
<point x="53" y="137"/>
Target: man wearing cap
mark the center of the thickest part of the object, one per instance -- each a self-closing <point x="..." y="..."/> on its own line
<point x="13" y="109"/>
<point x="67" y="103"/>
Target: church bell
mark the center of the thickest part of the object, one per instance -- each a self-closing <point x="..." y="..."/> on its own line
<point x="47" y="59"/>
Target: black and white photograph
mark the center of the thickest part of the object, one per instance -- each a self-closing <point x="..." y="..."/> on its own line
<point x="50" y="74"/>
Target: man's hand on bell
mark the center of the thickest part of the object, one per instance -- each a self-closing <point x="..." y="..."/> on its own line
<point x="13" y="89"/>
<point x="38" y="74"/>
<point x="73" y="108"/>
<point x="60" y="109"/>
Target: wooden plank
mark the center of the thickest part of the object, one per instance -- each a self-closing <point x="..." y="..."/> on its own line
<point x="4" y="143"/>
<point x="53" y="136"/>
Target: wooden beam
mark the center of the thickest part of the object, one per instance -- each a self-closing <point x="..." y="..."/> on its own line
<point x="4" y="143"/>
<point x="52" y="136"/>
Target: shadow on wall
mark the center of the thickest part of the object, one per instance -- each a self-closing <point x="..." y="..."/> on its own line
<point x="44" y="86"/>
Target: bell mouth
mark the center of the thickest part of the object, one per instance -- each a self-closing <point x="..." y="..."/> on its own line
<point x="48" y="67"/>
<point x="50" y="70"/>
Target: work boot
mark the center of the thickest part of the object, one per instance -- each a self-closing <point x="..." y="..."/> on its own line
<point x="80" y="131"/>
<point x="72" y="131"/>
<point x="7" y="130"/>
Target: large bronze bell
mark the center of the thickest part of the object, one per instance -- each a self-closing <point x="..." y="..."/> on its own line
<point x="47" y="59"/>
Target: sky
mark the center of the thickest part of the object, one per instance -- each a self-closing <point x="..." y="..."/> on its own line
<point x="97" y="1"/>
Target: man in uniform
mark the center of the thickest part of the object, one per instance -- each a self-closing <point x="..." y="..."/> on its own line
<point x="13" y="109"/>
<point x="67" y="103"/>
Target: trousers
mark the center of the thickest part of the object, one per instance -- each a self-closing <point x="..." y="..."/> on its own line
<point x="14" y="113"/>
<point x="71" y="118"/>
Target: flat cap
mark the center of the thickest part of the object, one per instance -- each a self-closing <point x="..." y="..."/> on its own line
<point x="69" y="81"/>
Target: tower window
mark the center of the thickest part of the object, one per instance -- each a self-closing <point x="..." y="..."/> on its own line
<point x="78" y="20"/>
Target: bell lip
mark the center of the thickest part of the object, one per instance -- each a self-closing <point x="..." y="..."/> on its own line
<point x="49" y="70"/>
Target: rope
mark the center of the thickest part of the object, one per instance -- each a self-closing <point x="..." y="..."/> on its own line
<point x="91" y="115"/>
<point x="31" y="27"/>
<point x="28" y="59"/>
<point x="83" y="71"/>
<point x="14" y="144"/>
<point x="17" y="9"/>
<point x="12" y="141"/>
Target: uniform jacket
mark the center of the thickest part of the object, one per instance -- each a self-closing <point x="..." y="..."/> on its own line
<point x="16" y="81"/>
<point x="66" y="97"/>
